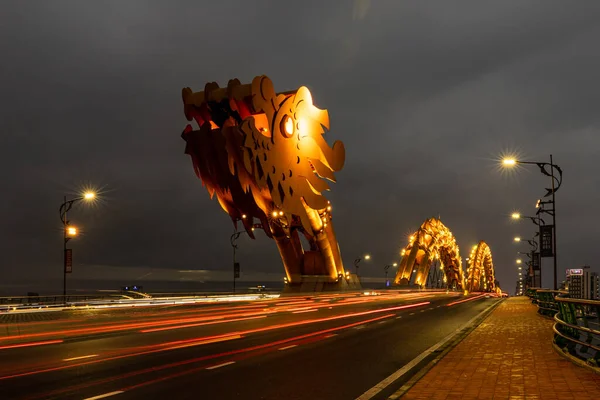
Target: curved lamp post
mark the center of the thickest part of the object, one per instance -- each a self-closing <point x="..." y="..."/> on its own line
<point x="387" y="283"/>
<point x="358" y="260"/>
<point x="70" y="232"/>
<point x="234" y="237"/>
<point x="556" y="181"/>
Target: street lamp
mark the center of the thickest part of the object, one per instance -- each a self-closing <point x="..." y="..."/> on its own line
<point x="70" y="232"/>
<point x="386" y="272"/>
<point x="358" y="260"/>
<point x="236" y="265"/>
<point x="556" y="181"/>
<point x="532" y="256"/>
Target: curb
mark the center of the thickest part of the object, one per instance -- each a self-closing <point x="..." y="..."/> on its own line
<point x="441" y="353"/>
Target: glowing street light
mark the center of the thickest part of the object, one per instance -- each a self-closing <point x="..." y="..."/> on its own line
<point x="519" y="261"/>
<point x="555" y="181"/>
<point x="515" y="215"/>
<point x="70" y="232"/>
<point x="387" y="283"/>
<point x="517" y="239"/>
<point x="359" y="259"/>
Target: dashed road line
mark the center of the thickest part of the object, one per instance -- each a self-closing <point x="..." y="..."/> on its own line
<point x="221" y="365"/>
<point x="102" y="396"/>
<point x="80" y="357"/>
<point x="288" y="347"/>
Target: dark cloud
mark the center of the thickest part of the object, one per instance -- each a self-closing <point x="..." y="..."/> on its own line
<point x="425" y="96"/>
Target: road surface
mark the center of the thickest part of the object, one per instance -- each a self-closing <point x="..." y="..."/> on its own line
<point x="334" y="346"/>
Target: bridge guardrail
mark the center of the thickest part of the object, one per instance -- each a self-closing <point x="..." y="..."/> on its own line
<point x="577" y="330"/>
<point x="55" y="300"/>
<point x="546" y="301"/>
<point x="532" y="294"/>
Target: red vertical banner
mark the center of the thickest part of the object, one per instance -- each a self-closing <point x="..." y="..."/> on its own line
<point x="68" y="261"/>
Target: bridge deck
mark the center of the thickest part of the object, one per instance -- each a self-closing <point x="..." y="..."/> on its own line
<point x="508" y="356"/>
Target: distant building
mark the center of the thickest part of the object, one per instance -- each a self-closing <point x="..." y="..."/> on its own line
<point x="583" y="284"/>
<point x="595" y="286"/>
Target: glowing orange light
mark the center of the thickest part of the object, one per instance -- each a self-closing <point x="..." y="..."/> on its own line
<point x="288" y="125"/>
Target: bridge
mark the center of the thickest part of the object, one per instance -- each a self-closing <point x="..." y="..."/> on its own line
<point x="263" y="155"/>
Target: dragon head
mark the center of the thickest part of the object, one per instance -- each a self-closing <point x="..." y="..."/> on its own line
<point x="285" y="149"/>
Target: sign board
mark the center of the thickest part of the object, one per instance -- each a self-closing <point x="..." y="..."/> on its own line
<point x="236" y="270"/>
<point x="577" y="271"/>
<point x="535" y="260"/>
<point x="68" y="261"/>
<point x="546" y="240"/>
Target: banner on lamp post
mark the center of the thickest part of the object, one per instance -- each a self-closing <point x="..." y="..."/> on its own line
<point x="68" y="261"/>
<point x="535" y="260"/>
<point x="546" y="232"/>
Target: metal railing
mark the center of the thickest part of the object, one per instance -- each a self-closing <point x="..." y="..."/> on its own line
<point x="577" y="330"/>
<point x="546" y="301"/>
<point x="56" y="300"/>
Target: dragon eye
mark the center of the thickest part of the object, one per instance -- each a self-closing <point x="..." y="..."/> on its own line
<point x="287" y="126"/>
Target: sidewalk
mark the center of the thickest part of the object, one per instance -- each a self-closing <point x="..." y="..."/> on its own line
<point x="508" y="356"/>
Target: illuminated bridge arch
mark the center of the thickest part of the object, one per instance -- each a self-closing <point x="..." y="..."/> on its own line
<point x="480" y="269"/>
<point x="433" y="241"/>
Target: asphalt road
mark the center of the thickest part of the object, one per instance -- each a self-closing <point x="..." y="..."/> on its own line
<point x="325" y="347"/>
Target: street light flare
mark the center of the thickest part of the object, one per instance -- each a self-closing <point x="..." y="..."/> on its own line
<point x="367" y="257"/>
<point x="72" y="231"/>
<point x="509" y="162"/>
<point x="517" y="239"/>
<point x="89" y="196"/>
<point x="519" y="261"/>
<point x="515" y="215"/>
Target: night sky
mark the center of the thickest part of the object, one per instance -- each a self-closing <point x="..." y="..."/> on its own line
<point x="426" y="96"/>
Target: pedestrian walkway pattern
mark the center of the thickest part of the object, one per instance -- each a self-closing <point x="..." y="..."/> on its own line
<point x="508" y="356"/>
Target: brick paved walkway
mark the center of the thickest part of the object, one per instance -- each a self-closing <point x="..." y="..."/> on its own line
<point x="508" y="356"/>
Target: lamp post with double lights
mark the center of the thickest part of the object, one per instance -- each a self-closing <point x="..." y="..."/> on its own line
<point x="70" y="232"/>
<point x="556" y="181"/>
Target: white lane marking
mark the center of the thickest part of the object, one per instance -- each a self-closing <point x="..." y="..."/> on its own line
<point x="430" y="308"/>
<point x="199" y="343"/>
<point x="288" y="347"/>
<point x="412" y="313"/>
<point x="105" y="395"/>
<point x="80" y="357"/>
<point x="375" y="390"/>
<point x="381" y="322"/>
<point x="423" y="310"/>
<point x="359" y="327"/>
<point x="399" y="316"/>
<point x="304" y="311"/>
<point x="221" y="365"/>
<point x="331" y="335"/>
<point x="438" y="306"/>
